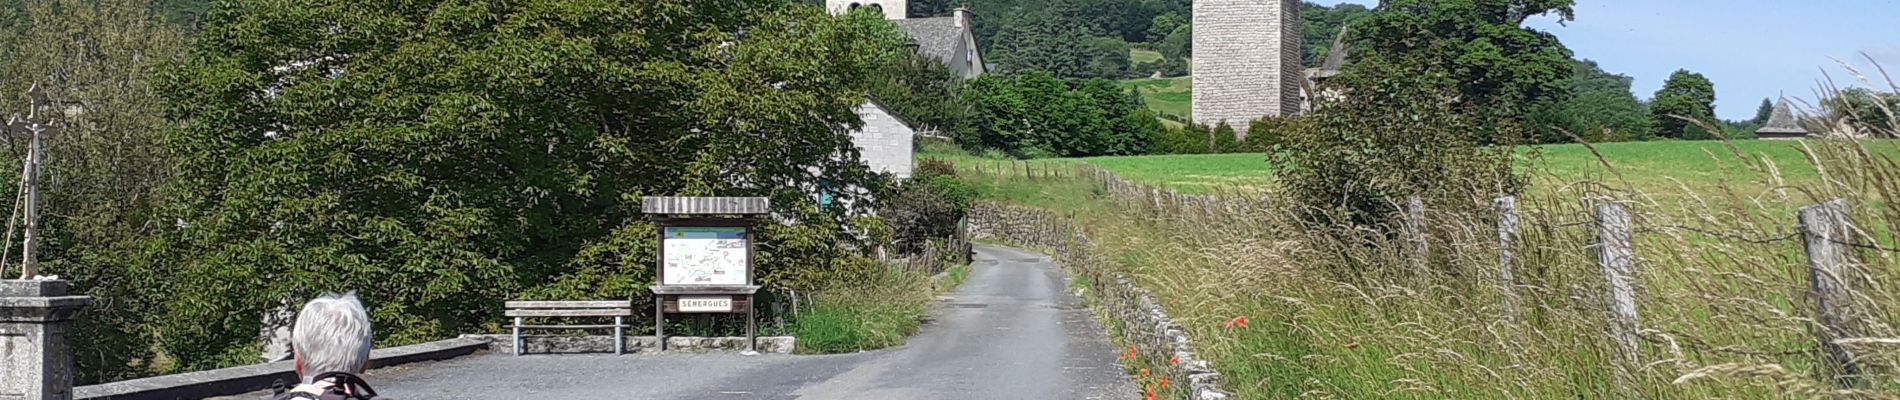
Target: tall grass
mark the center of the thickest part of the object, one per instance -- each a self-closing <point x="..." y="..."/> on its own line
<point x="1723" y="291"/>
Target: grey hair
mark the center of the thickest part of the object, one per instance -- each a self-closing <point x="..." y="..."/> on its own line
<point x="332" y="335"/>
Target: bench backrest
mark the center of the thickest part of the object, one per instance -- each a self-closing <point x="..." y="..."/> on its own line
<point x="601" y="308"/>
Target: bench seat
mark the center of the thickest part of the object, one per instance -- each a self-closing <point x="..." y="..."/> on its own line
<point x="618" y="309"/>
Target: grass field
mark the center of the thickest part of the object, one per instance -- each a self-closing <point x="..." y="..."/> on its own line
<point x="1142" y="56"/>
<point x="1651" y="166"/>
<point x="1166" y="95"/>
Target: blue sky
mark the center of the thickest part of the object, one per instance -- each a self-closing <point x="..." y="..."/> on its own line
<point x="1751" y="49"/>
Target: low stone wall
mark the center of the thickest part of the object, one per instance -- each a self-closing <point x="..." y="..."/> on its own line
<point x="558" y="344"/>
<point x="1144" y="324"/>
<point x="251" y="378"/>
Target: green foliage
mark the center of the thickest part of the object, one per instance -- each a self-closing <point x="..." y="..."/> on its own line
<point x="1048" y="40"/>
<point x="1319" y="25"/>
<point x="101" y="173"/>
<point x="1350" y="166"/>
<point x="1869" y="111"/>
<point x="1763" y="112"/>
<point x="1684" y="100"/>
<point x="926" y="92"/>
<point x="440" y="157"/>
<point x="1191" y="139"/>
<point x="1599" y="109"/>
<point x="924" y="208"/>
<point x="1165" y="24"/>
<point x="1264" y="134"/>
<point x="1036" y="113"/>
<point x="1476" y="49"/>
<point x="1224" y="139"/>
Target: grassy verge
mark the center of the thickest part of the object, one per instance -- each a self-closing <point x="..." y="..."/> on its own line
<point x="867" y="315"/>
<point x="1723" y="292"/>
<point x="953" y="277"/>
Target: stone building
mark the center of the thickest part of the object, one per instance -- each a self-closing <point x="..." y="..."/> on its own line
<point x="887" y="142"/>
<point x="1246" y="61"/>
<point x="1782" y="124"/>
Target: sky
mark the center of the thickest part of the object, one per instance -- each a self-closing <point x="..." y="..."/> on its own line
<point x="1750" y="49"/>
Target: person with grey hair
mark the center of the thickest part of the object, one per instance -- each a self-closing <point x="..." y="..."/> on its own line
<point x="330" y="345"/>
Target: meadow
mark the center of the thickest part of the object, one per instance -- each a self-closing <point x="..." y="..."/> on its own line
<point x="1172" y="96"/>
<point x="1722" y="284"/>
<point x="1656" y="167"/>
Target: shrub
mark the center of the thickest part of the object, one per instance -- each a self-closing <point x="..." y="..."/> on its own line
<point x="1355" y="160"/>
<point x="924" y="208"/>
<point x="933" y="167"/>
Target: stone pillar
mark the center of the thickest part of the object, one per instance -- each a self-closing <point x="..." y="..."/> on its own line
<point x="36" y="358"/>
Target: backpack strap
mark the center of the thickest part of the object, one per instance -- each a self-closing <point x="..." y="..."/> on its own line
<point x="348" y="386"/>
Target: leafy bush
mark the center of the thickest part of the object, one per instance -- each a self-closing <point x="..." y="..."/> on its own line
<point x="924" y="208"/>
<point x="1355" y="161"/>
<point x="932" y="167"/>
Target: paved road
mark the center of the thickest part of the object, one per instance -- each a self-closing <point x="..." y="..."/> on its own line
<point x="1012" y="331"/>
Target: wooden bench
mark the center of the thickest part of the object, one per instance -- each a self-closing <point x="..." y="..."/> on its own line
<point x="619" y="309"/>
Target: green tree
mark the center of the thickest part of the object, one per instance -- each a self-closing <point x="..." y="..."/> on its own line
<point x="1600" y="108"/>
<point x="1164" y="25"/>
<point x="441" y="156"/>
<point x="1871" y="112"/>
<point x="1044" y="40"/>
<point x="926" y="92"/>
<point x="1763" y="112"/>
<point x="1035" y="114"/>
<point x="1319" y="25"/>
<point x="1685" y="95"/>
<point x="95" y="59"/>
<point x="1478" y="49"/>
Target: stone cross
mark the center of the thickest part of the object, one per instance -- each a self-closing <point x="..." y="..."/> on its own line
<point x="35" y="127"/>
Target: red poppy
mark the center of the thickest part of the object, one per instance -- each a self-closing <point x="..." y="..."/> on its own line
<point x="1176" y="360"/>
<point x="1240" y="321"/>
<point x="1144" y="372"/>
<point x="1164" y="382"/>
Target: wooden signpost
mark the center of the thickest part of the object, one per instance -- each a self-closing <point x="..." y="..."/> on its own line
<point x="706" y="258"/>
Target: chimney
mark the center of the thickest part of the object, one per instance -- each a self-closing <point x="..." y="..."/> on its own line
<point x="962" y="15"/>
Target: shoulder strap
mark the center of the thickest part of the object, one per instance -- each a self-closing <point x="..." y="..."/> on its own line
<point x="348" y="386"/>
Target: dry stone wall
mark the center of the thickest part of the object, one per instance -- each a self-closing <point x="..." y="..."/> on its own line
<point x="1145" y="326"/>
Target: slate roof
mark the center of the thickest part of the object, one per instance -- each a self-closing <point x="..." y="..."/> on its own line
<point x="1782" y="121"/>
<point x="1335" y="58"/>
<point x="936" y="37"/>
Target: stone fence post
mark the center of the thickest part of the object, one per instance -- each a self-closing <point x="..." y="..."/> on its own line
<point x="36" y="320"/>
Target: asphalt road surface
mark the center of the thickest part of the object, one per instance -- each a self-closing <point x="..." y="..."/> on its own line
<point x="1012" y="331"/>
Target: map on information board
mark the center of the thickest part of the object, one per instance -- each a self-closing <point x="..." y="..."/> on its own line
<point x="705" y="256"/>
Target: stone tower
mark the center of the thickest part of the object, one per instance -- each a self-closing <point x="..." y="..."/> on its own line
<point x="893" y="9"/>
<point x="1246" y="61"/>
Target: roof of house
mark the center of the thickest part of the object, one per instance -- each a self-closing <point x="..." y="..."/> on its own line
<point x="1782" y="120"/>
<point x="1335" y="58"/>
<point x="887" y="110"/>
<point x="936" y="37"/>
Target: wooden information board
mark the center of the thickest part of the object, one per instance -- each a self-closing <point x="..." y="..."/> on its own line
<point x="706" y="258"/>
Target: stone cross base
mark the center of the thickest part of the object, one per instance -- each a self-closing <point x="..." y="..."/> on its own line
<point x="36" y="361"/>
